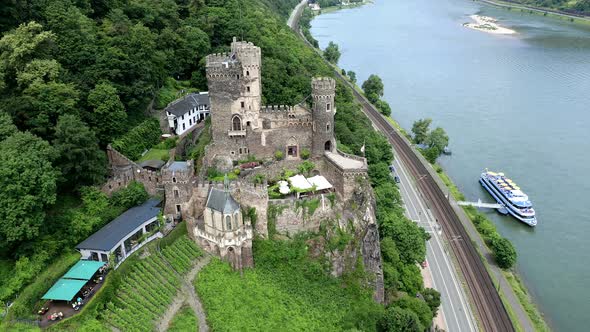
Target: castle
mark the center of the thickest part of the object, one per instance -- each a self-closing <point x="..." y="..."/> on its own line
<point x="242" y="127"/>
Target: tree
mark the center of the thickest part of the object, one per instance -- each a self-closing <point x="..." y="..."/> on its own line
<point x="19" y="47"/>
<point x="373" y="87"/>
<point x="79" y="157"/>
<point x="352" y="76"/>
<point x="431" y="154"/>
<point x="332" y="53"/>
<point x="48" y="102"/>
<point x="438" y="138"/>
<point x="38" y="71"/>
<point x="7" y="128"/>
<point x="383" y="107"/>
<point x="432" y="298"/>
<point x="408" y="237"/>
<point x="410" y="279"/>
<point x="27" y="187"/>
<point x="420" y="130"/>
<point x="504" y="252"/>
<point x="108" y="113"/>
<point x="379" y="174"/>
<point x="131" y="196"/>
<point x="398" y="319"/>
<point x="418" y="306"/>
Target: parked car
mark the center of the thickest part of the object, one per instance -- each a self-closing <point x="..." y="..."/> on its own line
<point x="391" y="169"/>
<point x="396" y="179"/>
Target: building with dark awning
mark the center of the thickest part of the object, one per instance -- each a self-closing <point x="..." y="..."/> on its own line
<point x="124" y="235"/>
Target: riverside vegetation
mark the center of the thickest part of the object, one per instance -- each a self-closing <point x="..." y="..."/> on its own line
<point x="94" y="68"/>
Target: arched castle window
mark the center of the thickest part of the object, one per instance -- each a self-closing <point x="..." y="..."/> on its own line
<point x="328" y="127"/>
<point x="247" y="73"/>
<point x="328" y="146"/>
<point x="174" y="180"/>
<point x="236" y="123"/>
<point x="236" y="219"/>
<point x="227" y="223"/>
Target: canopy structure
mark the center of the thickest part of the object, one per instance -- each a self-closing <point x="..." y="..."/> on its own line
<point x="319" y="182"/>
<point x="64" y="289"/>
<point x="300" y="182"/>
<point x="83" y="270"/>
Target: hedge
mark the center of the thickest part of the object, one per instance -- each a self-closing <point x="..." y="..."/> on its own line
<point x="139" y="139"/>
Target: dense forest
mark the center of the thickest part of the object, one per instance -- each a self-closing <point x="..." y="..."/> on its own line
<point x="575" y="6"/>
<point x="76" y="75"/>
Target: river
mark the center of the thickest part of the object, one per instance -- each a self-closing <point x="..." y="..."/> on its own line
<point x="513" y="103"/>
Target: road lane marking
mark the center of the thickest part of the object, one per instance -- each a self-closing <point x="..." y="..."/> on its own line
<point x="466" y="309"/>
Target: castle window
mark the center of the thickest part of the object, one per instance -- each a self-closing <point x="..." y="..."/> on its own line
<point x="328" y="106"/>
<point x="228" y="223"/>
<point x="242" y="103"/>
<point x="292" y="151"/>
<point x="248" y="88"/>
<point x="240" y="150"/>
<point x="236" y="123"/>
<point x="177" y="208"/>
<point x="328" y="127"/>
<point x="183" y="126"/>
<point x="238" y="76"/>
<point x="190" y="122"/>
<point x="174" y="180"/>
<point x="247" y="73"/>
<point x="176" y="193"/>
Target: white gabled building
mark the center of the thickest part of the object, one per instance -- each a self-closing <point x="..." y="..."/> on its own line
<point x="186" y="112"/>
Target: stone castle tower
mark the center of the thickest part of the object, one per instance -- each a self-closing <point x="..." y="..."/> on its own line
<point x="234" y="91"/>
<point x="323" y="91"/>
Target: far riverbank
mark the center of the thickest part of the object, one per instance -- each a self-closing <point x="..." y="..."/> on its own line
<point x="581" y="19"/>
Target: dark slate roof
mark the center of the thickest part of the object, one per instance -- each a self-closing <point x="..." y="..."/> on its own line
<point x="152" y="163"/>
<point x="178" y="166"/>
<point x="221" y="201"/>
<point x="188" y="102"/>
<point x="108" y="236"/>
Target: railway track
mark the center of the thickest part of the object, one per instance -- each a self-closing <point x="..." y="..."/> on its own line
<point x="491" y="311"/>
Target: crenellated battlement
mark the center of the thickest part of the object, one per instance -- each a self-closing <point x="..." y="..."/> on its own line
<point x="276" y="108"/>
<point x="323" y="85"/>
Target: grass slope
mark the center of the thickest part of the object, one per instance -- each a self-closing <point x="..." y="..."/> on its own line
<point x="184" y="320"/>
<point x="286" y="291"/>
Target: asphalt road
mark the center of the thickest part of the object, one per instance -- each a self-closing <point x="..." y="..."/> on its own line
<point x="454" y="306"/>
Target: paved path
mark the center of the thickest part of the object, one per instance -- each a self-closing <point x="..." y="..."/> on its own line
<point x="344" y="162"/>
<point x="455" y="310"/>
<point x="187" y="294"/>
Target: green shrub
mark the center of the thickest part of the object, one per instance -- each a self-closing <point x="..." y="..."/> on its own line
<point x="167" y="144"/>
<point x="305" y="154"/>
<point x="306" y="167"/>
<point x="139" y="139"/>
<point x="279" y="155"/>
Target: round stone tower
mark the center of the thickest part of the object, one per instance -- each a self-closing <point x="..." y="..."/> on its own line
<point x="323" y="90"/>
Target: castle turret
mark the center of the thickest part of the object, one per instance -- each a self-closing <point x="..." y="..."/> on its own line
<point x="323" y="90"/>
<point x="234" y="91"/>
